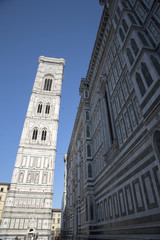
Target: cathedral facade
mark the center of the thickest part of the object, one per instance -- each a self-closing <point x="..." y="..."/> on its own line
<point x="113" y="160"/>
<point x="28" y="206"/>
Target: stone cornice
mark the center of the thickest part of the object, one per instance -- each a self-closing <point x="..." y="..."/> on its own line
<point x="51" y="60"/>
<point x="97" y="44"/>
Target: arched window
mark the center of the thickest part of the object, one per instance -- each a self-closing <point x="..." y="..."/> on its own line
<point x="157" y="142"/>
<point x="155" y="63"/>
<point x="88" y="150"/>
<point x="47" y="109"/>
<point x="140" y="84"/>
<point x="88" y="131"/>
<point x="87" y="115"/>
<point x="47" y="84"/>
<point x="91" y="210"/>
<point x="115" y="19"/>
<point x="21" y="177"/>
<point x="35" y="134"/>
<point x="143" y="39"/>
<point x="124" y="4"/>
<point x="121" y="34"/>
<point x="86" y="209"/>
<point x="39" y="109"/>
<point x="146" y="74"/>
<point x="130" y="56"/>
<point x="44" y="178"/>
<point x="118" y="11"/>
<point x="133" y="21"/>
<point x="124" y="24"/>
<point x="44" y="134"/>
<point x="134" y="46"/>
<point x="89" y="170"/>
<point x="37" y="178"/>
<point x="86" y="93"/>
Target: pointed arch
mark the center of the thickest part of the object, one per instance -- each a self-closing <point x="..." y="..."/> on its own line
<point x="47" y="84"/>
<point x="44" y="135"/>
<point x="88" y="135"/>
<point x="124" y="24"/>
<point x="39" y="108"/>
<point x="35" y="134"/>
<point x="47" y="110"/>
<point x="88" y="150"/>
<point x="130" y="56"/>
<point x="146" y="74"/>
<point x="134" y="46"/>
<point x="121" y="34"/>
<point x="89" y="170"/>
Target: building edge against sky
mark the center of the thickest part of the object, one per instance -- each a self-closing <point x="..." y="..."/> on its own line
<point x="29" y="201"/>
<point x="112" y="187"/>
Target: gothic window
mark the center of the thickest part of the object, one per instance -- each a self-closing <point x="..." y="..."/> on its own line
<point x="35" y="134"/>
<point x="116" y="43"/>
<point x="91" y="210"/>
<point x="132" y="2"/>
<point x="87" y="115"/>
<point x="89" y="170"/>
<point x="36" y="178"/>
<point x="86" y="94"/>
<point x="98" y="213"/>
<point x="130" y="56"/>
<point x="87" y="131"/>
<point x="45" y="178"/>
<point x="155" y="63"/>
<point x="115" y="19"/>
<point x="44" y="134"/>
<point x="39" y="109"/>
<point x="121" y="34"/>
<point x="157" y="142"/>
<point x="47" y="84"/>
<point x="109" y="118"/>
<point x="124" y="4"/>
<point x="88" y="150"/>
<point x="134" y="46"/>
<point x="140" y="84"/>
<point x="29" y="177"/>
<point x="132" y="19"/>
<point x="124" y="24"/>
<point x="86" y="210"/>
<point x="21" y="177"/>
<point x="118" y="11"/>
<point x="143" y="39"/>
<point x="146" y="74"/>
<point x="47" y="110"/>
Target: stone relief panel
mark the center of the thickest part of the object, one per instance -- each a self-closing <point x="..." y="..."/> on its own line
<point x="45" y="224"/>
<point x="12" y="223"/>
<point x="137" y="196"/>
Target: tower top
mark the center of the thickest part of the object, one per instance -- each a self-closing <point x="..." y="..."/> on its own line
<point x="51" y="60"/>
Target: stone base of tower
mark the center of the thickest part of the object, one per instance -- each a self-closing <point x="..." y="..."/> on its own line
<point x="6" y="234"/>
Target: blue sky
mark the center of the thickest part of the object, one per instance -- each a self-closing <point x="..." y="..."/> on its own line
<point x="29" y="29"/>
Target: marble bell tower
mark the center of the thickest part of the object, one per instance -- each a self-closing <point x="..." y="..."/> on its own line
<point x="29" y="201"/>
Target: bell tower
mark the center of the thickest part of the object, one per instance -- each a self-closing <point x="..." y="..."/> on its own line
<point x="29" y="201"/>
